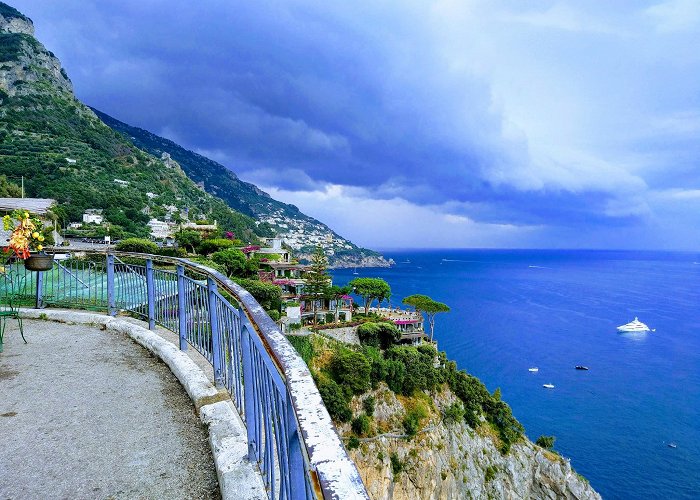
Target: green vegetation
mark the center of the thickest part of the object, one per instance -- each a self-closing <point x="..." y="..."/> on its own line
<point x="490" y="473"/>
<point x="424" y="304"/>
<point x="137" y="245"/>
<point x="43" y="125"/>
<point x="303" y="347"/>
<point x="546" y="442"/>
<point x="368" y="405"/>
<point x="9" y="12"/>
<point x="353" y="443"/>
<point x="361" y="425"/>
<point x="269" y="296"/>
<point x="371" y="289"/>
<point x="413" y="373"/>
<point x="397" y="466"/>
<point x="317" y="280"/>
<point x="382" y="334"/>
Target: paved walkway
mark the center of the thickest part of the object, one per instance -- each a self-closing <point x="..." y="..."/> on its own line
<point x="86" y="413"/>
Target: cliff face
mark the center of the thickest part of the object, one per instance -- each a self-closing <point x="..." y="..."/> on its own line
<point x="453" y="461"/>
<point x="24" y="60"/>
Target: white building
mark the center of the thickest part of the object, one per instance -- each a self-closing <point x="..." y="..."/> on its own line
<point x="93" y="215"/>
<point x="159" y="228"/>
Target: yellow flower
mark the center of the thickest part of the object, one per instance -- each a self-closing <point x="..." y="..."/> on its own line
<point x="40" y="247"/>
<point x="26" y="215"/>
<point x="41" y="237"/>
<point x="35" y="235"/>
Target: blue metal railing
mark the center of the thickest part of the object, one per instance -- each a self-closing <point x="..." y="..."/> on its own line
<point x="290" y="435"/>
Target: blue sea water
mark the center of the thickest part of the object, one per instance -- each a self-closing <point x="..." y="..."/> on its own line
<point x="512" y="310"/>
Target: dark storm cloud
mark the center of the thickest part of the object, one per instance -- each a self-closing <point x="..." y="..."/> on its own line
<point x="506" y="115"/>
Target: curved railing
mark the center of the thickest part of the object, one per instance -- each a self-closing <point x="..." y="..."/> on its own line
<point x="290" y="434"/>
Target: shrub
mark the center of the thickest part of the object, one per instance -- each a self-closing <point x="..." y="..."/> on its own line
<point x="172" y="252"/>
<point x="353" y="443"/>
<point x="268" y="295"/>
<point x="381" y="334"/>
<point x="233" y="261"/>
<point x="303" y="346"/>
<point x="368" y="405"/>
<point x="453" y="413"/>
<point x="274" y="315"/>
<point x="546" y="442"/>
<point x="397" y="465"/>
<point x="138" y="245"/>
<point x="351" y="369"/>
<point x="360" y="425"/>
<point x="334" y="400"/>
<point x="412" y="420"/>
<point x="214" y="245"/>
<point x="330" y="317"/>
<point x="420" y="373"/>
<point x="490" y="473"/>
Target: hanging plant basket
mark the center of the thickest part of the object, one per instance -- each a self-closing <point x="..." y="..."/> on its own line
<point x="38" y="262"/>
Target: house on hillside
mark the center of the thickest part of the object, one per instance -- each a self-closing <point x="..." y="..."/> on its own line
<point x="160" y="229"/>
<point x="93" y="216"/>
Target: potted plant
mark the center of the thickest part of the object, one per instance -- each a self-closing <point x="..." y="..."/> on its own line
<point x="26" y="238"/>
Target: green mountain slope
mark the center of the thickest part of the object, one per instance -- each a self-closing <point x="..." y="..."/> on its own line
<point x="298" y="230"/>
<point x="65" y="152"/>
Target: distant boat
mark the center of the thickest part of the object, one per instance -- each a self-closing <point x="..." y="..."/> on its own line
<point x="548" y="386"/>
<point x="355" y="271"/>
<point x="534" y="369"/>
<point x="581" y="367"/>
<point x="633" y="326"/>
<point x="672" y="445"/>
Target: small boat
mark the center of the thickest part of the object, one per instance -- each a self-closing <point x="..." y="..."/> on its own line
<point x="581" y="367"/>
<point x="355" y="271"/>
<point x="672" y="445"/>
<point x="548" y="386"/>
<point x="633" y="326"/>
<point x="534" y="369"/>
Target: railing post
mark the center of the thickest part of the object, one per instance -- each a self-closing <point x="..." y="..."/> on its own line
<point x="181" y="307"/>
<point x="150" y="294"/>
<point x="297" y="470"/>
<point x="214" y="324"/>
<point x="111" y="299"/>
<point x="39" y="289"/>
<point x="248" y="389"/>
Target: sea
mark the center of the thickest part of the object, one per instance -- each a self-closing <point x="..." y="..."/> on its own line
<point x="516" y="309"/>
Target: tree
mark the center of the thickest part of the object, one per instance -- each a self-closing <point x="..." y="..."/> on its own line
<point x="424" y="304"/>
<point x="382" y="334"/>
<point x="137" y="245"/>
<point x="269" y="296"/>
<point x="317" y="282"/>
<point x="546" y="442"/>
<point x="370" y="289"/>
<point x="189" y="239"/>
<point x="233" y="260"/>
<point x="9" y="189"/>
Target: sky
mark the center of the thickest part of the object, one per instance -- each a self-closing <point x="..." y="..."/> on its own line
<point x="472" y="123"/>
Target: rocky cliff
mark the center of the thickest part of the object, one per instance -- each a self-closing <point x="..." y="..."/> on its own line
<point x="25" y="60"/>
<point x="449" y="460"/>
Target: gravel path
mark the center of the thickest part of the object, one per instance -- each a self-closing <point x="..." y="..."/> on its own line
<point x="86" y="413"/>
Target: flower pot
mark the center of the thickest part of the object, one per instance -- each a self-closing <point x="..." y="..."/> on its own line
<point x="40" y="262"/>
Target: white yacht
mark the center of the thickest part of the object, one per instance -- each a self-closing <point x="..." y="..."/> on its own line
<point x="633" y="326"/>
<point x="534" y="369"/>
<point x="548" y="386"/>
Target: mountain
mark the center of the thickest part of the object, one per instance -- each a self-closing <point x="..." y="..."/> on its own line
<point x="63" y="151"/>
<point x="301" y="232"/>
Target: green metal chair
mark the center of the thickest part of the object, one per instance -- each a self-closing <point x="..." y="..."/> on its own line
<point x="12" y="282"/>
